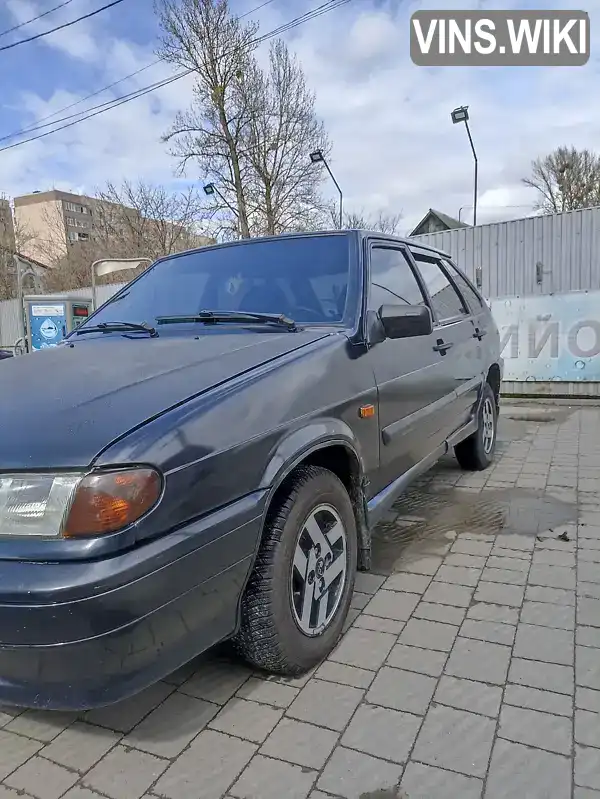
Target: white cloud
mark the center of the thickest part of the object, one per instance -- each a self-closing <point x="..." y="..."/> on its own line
<point x="83" y="45"/>
<point x="372" y="35"/>
<point x="395" y="147"/>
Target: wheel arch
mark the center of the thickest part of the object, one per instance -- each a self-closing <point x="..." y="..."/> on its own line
<point x="333" y="446"/>
<point x="493" y="379"/>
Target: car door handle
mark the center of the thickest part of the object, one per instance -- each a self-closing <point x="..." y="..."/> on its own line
<point x="442" y="346"/>
<point x="479" y="333"/>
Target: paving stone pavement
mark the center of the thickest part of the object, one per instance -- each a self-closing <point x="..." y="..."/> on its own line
<point x="470" y="666"/>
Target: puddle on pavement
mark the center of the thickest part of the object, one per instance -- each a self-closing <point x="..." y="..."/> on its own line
<point x="432" y="512"/>
<point x="510" y="429"/>
<point x="429" y="516"/>
<point x="530" y="413"/>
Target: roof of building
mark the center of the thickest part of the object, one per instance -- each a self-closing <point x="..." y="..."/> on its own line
<point x="31" y="261"/>
<point x="46" y="196"/>
<point x="449" y="221"/>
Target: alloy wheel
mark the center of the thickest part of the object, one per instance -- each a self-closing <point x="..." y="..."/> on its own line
<point x="488" y="425"/>
<point x="319" y="570"/>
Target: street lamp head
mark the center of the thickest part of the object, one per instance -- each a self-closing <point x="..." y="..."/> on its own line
<point x="209" y="189"/>
<point x="317" y="156"/>
<point x="460" y="114"/>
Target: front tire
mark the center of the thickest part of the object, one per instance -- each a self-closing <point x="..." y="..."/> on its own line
<point x="298" y="596"/>
<point x="477" y="451"/>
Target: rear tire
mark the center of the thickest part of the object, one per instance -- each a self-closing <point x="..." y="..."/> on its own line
<point x="477" y="451"/>
<point x="298" y="596"/>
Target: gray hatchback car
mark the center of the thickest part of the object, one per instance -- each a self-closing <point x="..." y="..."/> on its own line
<point x="205" y="457"/>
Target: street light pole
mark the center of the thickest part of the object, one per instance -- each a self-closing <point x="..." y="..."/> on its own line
<point x="475" y="176"/>
<point x="317" y="157"/>
<point x="462" y="115"/>
<point x="210" y="189"/>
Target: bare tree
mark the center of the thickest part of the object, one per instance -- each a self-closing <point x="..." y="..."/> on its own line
<point x="7" y="249"/>
<point x="249" y="130"/>
<point x="14" y="238"/>
<point x="202" y="36"/>
<point x="72" y="270"/>
<point x="50" y="234"/>
<point x="131" y="221"/>
<point x="282" y="130"/>
<point x="566" y="179"/>
<point x="147" y="220"/>
<point x="8" y="280"/>
<point x="361" y="220"/>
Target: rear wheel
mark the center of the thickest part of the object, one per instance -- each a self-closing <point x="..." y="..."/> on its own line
<point x="477" y="452"/>
<point x="298" y="596"/>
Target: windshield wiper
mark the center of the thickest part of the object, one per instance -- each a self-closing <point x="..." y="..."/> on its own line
<point x="214" y="317"/>
<point x="115" y="327"/>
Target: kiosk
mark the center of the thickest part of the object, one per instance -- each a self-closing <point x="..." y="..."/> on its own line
<point x="48" y="318"/>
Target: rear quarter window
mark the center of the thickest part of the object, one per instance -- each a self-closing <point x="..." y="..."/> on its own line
<point x="473" y="299"/>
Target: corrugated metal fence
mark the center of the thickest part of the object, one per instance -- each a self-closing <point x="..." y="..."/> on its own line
<point x="534" y="257"/>
<point x="566" y="245"/>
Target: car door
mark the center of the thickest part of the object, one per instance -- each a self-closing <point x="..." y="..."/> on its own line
<point x="454" y="333"/>
<point x="480" y="314"/>
<point x="409" y="373"/>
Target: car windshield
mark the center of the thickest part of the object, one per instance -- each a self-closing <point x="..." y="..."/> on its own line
<point x="307" y="278"/>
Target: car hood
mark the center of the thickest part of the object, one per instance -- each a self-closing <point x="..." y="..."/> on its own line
<point x="60" y="407"/>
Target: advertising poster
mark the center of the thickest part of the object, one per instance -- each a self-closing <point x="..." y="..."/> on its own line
<point x="551" y="337"/>
<point x="47" y="325"/>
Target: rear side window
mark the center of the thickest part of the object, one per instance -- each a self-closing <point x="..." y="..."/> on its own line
<point x="393" y="281"/>
<point x="471" y="296"/>
<point x="446" y="302"/>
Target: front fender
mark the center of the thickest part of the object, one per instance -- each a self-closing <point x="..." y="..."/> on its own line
<point x="301" y="442"/>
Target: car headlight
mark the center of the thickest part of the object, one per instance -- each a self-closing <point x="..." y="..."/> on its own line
<point x="75" y="505"/>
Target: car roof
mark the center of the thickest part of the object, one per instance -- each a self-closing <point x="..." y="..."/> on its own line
<point x="359" y="232"/>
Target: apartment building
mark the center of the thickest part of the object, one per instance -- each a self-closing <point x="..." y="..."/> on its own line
<point x="53" y="220"/>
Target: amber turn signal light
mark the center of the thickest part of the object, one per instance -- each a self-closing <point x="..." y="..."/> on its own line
<point x="106" y="502"/>
<point x="366" y="411"/>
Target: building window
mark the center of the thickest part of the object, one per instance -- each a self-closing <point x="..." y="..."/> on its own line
<point x="77" y="209"/>
<point x="72" y="235"/>
<point x="84" y="236"/>
<point x="82" y="223"/>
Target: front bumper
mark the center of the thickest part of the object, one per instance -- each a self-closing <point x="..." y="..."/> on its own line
<point x="77" y="635"/>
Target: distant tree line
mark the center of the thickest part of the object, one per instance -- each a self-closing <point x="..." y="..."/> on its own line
<point x="248" y="130"/>
<point x="565" y="180"/>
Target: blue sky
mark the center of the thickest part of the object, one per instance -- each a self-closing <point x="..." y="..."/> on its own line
<point x="395" y="148"/>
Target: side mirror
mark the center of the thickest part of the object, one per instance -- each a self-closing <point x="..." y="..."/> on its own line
<point x="406" y="321"/>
